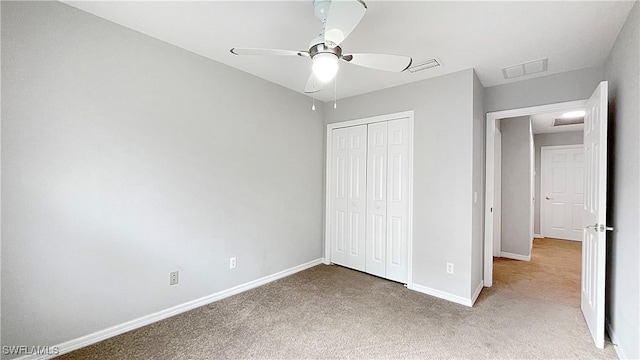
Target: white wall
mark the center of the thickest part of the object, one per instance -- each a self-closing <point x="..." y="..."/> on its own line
<point x="550" y="139"/>
<point x="125" y="158"/>
<point x="623" y="269"/>
<point x="443" y="171"/>
<point x="479" y="129"/>
<point x="516" y="185"/>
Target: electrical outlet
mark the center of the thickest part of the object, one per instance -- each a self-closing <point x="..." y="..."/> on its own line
<point x="449" y="268"/>
<point x="173" y="278"/>
<point x="232" y="263"/>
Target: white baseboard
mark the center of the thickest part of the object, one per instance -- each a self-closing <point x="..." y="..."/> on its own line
<point x="475" y="295"/>
<point x="616" y="342"/>
<point x="515" y="256"/>
<point x="442" y="295"/>
<point x="167" y="313"/>
<point x="542" y="237"/>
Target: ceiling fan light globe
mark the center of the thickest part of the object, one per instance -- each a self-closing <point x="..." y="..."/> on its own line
<point x="325" y="66"/>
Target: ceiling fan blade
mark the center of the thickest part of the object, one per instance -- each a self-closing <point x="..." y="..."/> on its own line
<point x="387" y="62"/>
<point x="343" y="16"/>
<point x="313" y="85"/>
<point x="275" y="52"/>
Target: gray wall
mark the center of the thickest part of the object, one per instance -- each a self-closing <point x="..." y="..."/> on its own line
<point x="551" y="139"/>
<point x="479" y="129"/>
<point x="516" y="185"/>
<point x="124" y="158"/>
<point x="623" y="270"/>
<point x="567" y="86"/>
<point x="443" y="171"/>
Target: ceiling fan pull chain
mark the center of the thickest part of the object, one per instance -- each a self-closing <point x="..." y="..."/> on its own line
<point x="313" y="107"/>
<point x="335" y="91"/>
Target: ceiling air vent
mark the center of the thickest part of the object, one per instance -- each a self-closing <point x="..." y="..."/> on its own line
<point x="528" y="68"/>
<point x="424" y="65"/>
<point x="563" y="121"/>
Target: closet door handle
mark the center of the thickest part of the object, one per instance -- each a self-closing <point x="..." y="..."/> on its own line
<point x="377" y="206"/>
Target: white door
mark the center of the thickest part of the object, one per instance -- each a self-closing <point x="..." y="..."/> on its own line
<point x="497" y="195"/>
<point x="387" y="200"/>
<point x="349" y="199"/>
<point x="376" y="248"/>
<point x="370" y="198"/>
<point x="398" y="200"/>
<point x="562" y="191"/>
<point x="594" y="214"/>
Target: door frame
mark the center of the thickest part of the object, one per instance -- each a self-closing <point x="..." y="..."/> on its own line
<point x="544" y="149"/>
<point x="491" y="119"/>
<point x="497" y="246"/>
<point x="327" y="181"/>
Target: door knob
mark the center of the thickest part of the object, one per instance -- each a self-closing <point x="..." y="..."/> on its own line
<point x="599" y="227"/>
<point x="548" y="198"/>
<point x="594" y="226"/>
<point x="377" y="206"/>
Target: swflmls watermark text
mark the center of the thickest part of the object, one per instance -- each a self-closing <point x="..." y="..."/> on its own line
<point x="29" y="350"/>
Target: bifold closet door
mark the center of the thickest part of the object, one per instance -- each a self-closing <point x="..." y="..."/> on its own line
<point x="387" y="202"/>
<point x="397" y="251"/>
<point x="376" y="237"/>
<point x="348" y="203"/>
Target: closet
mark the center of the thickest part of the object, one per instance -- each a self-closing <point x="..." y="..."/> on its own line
<point x="369" y="198"/>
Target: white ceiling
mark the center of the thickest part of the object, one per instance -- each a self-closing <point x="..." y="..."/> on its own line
<point x="486" y="36"/>
<point x="543" y="123"/>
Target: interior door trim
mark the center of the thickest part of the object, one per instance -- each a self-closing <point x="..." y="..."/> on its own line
<point x="327" y="181"/>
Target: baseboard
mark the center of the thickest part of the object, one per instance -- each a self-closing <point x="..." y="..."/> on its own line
<point x="616" y="342"/>
<point x="542" y="237"/>
<point x="477" y="292"/>
<point x="98" y="336"/>
<point x="442" y="295"/>
<point x="515" y="256"/>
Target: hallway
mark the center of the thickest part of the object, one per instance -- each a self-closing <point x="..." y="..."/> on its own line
<point x="553" y="274"/>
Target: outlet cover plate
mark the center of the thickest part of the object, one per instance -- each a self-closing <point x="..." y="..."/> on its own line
<point x="174" y="278"/>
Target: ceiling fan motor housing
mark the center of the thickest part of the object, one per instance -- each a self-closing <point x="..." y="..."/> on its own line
<point x="322" y="48"/>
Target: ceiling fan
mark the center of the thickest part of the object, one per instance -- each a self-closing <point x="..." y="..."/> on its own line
<point x="339" y="18"/>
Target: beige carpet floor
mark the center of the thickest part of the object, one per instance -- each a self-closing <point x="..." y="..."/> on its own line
<point x="532" y="311"/>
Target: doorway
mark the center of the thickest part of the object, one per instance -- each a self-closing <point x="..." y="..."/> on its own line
<point x="492" y="128"/>
<point x="595" y="195"/>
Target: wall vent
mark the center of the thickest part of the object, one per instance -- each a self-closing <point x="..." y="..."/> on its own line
<point x="424" y="65"/>
<point x="563" y="121"/>
<point x="528" y="68"/>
